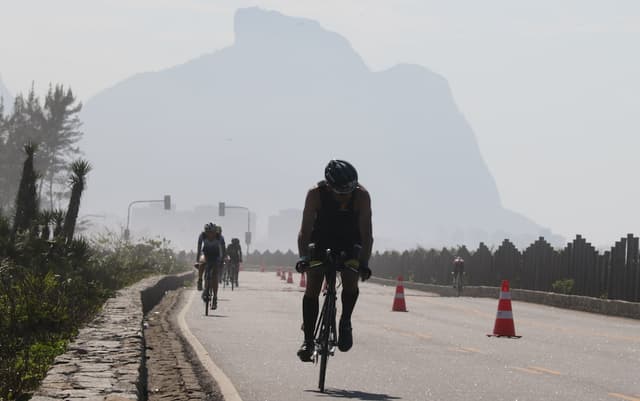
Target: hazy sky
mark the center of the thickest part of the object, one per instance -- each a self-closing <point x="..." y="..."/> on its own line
<point x="551" y="88"/>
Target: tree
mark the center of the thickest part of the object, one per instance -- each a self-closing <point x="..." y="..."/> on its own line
<point x="55" y="127"/>
<point x="24" y="125"/>
<point x="61" y="133"/>
<point x="27" y="199"/>
<point x="80" y="168"/>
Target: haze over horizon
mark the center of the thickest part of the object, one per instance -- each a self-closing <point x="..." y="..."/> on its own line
<point x="552" y="106"/>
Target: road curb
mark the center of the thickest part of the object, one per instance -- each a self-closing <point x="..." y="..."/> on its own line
<point x="228" y="390"/>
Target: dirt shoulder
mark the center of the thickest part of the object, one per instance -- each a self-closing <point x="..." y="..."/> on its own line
<point x="173" y="371"/>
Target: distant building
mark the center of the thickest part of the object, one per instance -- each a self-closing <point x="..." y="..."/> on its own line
<point x="183" y="226"/>
<point x="282" y="230"/>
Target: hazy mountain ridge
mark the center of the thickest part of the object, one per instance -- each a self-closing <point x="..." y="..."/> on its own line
<point x="255" y="123"/>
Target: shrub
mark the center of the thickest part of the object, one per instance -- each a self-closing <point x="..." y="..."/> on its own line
<point x="564" y="286"/>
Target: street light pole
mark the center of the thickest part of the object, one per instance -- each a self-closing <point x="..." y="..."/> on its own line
<point x="167" y="206"/>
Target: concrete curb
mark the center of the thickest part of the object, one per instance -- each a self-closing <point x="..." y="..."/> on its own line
<point x="575" y="302"/>
<point x="228" y="390"/>
<point x="107" y="359"/>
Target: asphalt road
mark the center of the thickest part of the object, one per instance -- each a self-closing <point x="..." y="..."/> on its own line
<point x="436" y="351"/>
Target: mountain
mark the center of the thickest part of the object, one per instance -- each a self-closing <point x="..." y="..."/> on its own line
<point x="255" y="123"/>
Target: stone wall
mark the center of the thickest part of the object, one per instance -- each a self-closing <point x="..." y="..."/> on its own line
<point x="107" y="360"/>
<point x="575" y="302"/>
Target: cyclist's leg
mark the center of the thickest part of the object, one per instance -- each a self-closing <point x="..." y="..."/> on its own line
<point x="350" y="292"/>
<point x="310" y="303"/>
<point x="200" y="272"/>
<point x="236" y="272"/>
<point x="310" y="309"/>
<point x="214" y="279"/>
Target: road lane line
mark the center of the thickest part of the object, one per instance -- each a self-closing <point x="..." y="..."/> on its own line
<point x="474" y="350"/>
<point x="531" y="371"/>
<point x="456" y="349"/>
<point x="408" y="333"/>
<point x="227" y="388"/>
<point x="545" y="370"/>
<point x="624" y="397"/>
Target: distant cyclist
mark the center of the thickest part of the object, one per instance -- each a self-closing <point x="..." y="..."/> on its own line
<point x="337" y="216"/>
<point x="211" y="246"/>
<point x="458" y="269"/>
<point x="234" y="253"/>
<point x="224" y="251"/>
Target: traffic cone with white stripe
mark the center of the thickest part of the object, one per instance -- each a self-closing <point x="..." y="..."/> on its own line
<point x="504" y="326"/>
<point x="283" y="277"/>
<point x="398" y="300"/>
<point x="290" y="278"/>
<point x="303" y="281"/>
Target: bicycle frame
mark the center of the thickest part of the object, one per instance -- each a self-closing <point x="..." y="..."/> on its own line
<point x="326" y="334"/>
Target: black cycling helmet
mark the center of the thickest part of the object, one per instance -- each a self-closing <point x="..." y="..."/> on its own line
<point x="341" y="176"/>
<point x="235" y="241"/>
<point x="209" y="227"/>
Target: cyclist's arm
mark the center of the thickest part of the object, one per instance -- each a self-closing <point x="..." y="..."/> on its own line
<point x="199" y="247"/>
<point x="223" y="247"/>
<point x="311" y="205"/>
<point x="239" y="253"/>
<point x="366" y="229"/>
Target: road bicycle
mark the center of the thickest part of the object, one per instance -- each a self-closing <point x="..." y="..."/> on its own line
<point x="326" y="333"/>
<point x="458" y="282"/>
<point x="207" y="289"/>
<point x="227" y="278"/>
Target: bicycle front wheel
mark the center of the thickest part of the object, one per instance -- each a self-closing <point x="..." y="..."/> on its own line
<point x="324" y="358"/>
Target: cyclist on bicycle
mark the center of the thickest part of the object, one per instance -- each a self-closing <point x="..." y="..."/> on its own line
<point x="337" y="216"/>
<point x="234" y="253"/>
<point x="223" y="255"/>
<point x="458" y="269"/>
<point x="210" y="245"/>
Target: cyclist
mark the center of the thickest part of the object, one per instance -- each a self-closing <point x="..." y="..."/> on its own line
<point x="224" y="251"/>
<point x="210" y="245"/>
<point x="458" y="269"/>
<point x="337" y="216"/>
<point x="234" y="253"/>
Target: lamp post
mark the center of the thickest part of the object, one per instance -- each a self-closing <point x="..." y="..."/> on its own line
<point x="247" y="236"/>
<point x="167" y="206"/>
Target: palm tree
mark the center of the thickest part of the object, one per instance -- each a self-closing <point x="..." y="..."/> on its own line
<point x="58" y="218"/>
<point x="79" y="170"/>
<point x="27" y="199"/>
<point x="46" y="218"/>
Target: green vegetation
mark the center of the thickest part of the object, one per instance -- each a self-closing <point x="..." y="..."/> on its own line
<point x="563" y="286"/>
<point x="52" y="282"/>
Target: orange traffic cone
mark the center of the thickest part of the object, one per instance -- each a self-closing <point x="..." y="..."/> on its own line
<point x="303" y="281"/>
<point x="504" y="326"/>
<point x="290" y="278"/>
<point x="284" y="275"/>
<point x="398" y="300"/>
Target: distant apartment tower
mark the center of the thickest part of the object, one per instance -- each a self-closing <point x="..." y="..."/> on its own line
<point x="283" y="230"/>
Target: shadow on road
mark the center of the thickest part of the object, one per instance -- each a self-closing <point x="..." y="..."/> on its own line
<point x="216" y="316"/>
<point x="355" y="395"/>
